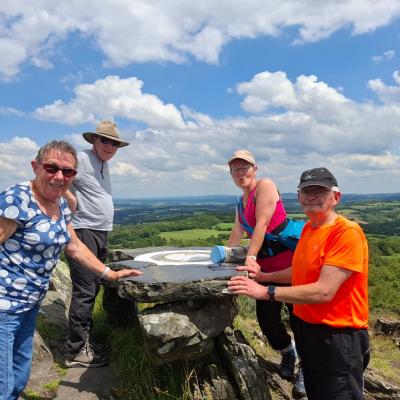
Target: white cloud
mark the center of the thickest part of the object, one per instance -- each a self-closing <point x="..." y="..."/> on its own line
<point x="10" y="111"/>
<point x="368" y="162"/>
<point x="185" y="152"/>
<point x="171" y="31"/>
<point x="15" y="157"/>
<point x="268" y="89"/>
<point x="110" y="97"/>
<point x="126" y="169"/>
<point x="196" y="174"/>
<point x="313" y="125"/>
<point x="386" y="55"/>
<point x="387" y="94"/>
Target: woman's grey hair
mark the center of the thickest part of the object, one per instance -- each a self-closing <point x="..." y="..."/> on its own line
<point x="57" y="145"/>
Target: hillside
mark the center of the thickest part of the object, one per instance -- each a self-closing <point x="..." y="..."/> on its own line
<point x="381" y="212"/>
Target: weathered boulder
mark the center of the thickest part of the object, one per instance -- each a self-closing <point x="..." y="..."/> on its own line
<point x="387" y="327"/>
<point x="184" y="330"/>
<point x="242" y="365"/>
<point x="55" y="305"/>
<point x="212" y="380"/>
<point x="167" y="292"/>
<point x="167" y="283"/>
<point x="61" y="283"/>
<point x="377" y="389"/>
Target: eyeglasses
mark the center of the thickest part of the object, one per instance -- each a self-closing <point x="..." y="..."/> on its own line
<point x="241" y="170"/>
<point x="315" y="190"/>
<point x="53" y="169"/>
<point x="113" y="143"/>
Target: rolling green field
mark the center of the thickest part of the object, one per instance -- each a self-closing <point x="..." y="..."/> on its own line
<point x="224" y="226"/>
<point x="191" y="234"/>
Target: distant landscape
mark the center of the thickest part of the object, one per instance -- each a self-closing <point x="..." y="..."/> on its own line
<point x="207" y="220"/>
<point x="379" y="213"/>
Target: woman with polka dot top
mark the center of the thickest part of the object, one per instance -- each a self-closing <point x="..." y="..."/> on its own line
<point x="35" y="227"/>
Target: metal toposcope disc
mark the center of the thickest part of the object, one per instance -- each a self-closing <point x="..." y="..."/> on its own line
<point x="173" y="275"/>
<point x="177" y="257"/>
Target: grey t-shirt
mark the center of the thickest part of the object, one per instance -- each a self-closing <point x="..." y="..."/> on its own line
<point x="92" y="189"/>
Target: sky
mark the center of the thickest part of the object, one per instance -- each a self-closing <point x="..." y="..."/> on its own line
<point x="301" y="84"/>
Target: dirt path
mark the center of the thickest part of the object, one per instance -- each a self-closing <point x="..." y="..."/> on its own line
<point x="87" y="384"/>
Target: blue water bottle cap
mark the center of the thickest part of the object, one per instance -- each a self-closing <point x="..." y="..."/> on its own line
<point x="218" y="254"/>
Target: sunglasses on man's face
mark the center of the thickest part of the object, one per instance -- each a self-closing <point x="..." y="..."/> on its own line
<point x="315" y="190"/>
<point x="109" y="141"/>
<point x="53" y="169"/>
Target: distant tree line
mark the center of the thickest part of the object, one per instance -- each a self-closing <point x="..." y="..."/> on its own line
<point x="148" y="234"/>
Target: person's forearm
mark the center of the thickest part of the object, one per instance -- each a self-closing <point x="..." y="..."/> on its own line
<point x="257" y="240"/>
<point x="235" y="236"/>
<point x="82" y="255"/>
<point x="313" y="293"/>
<point x="234" y="240"/>
<point x="7" y="228"/>
<point x="304" y="294"/>
<point x="283" y="276"/>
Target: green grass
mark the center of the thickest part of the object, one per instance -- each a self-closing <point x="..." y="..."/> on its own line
<point x="385" y="358"/>
<point x="384" y="285"/>
<point x="32" y="395"/>
<point x="225" y="226"/>
<point x="49" y="331"/>
<point x="191" y="234"/>
<point x="376" y="205"/>
<point x="348" y="212"/>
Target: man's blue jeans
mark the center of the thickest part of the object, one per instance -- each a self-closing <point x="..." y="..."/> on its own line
<point x="16" y="343"/>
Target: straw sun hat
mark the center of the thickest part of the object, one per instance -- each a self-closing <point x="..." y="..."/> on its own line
<point x="106" y="129"/>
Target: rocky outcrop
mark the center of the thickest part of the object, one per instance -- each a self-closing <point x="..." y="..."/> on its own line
<point x="184" y="330"/>
<point x="167" y="292"/>
<point x="388" y="328"/>
<point x="378" y="389"/>
<point x="242" y="365"/>
<point x="168" y="283"/>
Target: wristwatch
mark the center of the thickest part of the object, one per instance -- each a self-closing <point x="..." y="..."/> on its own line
<point x="271" y="292"/>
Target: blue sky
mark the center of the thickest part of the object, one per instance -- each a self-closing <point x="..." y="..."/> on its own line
<point x="300" y="84"/>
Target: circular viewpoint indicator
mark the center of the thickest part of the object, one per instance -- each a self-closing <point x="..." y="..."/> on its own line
<point x="177" y="257"/>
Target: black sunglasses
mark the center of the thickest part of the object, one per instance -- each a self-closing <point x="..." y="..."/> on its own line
<point x="109" y="141"/>
<point x="53" y="169"/>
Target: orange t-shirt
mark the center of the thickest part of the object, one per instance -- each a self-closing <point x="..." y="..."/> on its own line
<point x="341" y="244"/>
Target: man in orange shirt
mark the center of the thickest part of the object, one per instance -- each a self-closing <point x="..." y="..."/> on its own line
<point x="329" y="292"/>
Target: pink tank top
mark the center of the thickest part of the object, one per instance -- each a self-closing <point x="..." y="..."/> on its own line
<point x="281" y="260"/>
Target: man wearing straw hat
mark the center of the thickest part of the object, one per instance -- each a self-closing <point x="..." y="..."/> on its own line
<point x="91" y="202"/>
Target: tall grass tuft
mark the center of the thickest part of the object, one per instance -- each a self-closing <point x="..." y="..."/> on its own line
<point x="138" y="377"/>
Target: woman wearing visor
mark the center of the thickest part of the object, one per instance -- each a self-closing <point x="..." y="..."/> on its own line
<point x="259" y="211"/>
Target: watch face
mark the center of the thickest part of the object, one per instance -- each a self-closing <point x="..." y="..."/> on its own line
<point x="271" y="292"/>
<point x="271" y="289"/>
